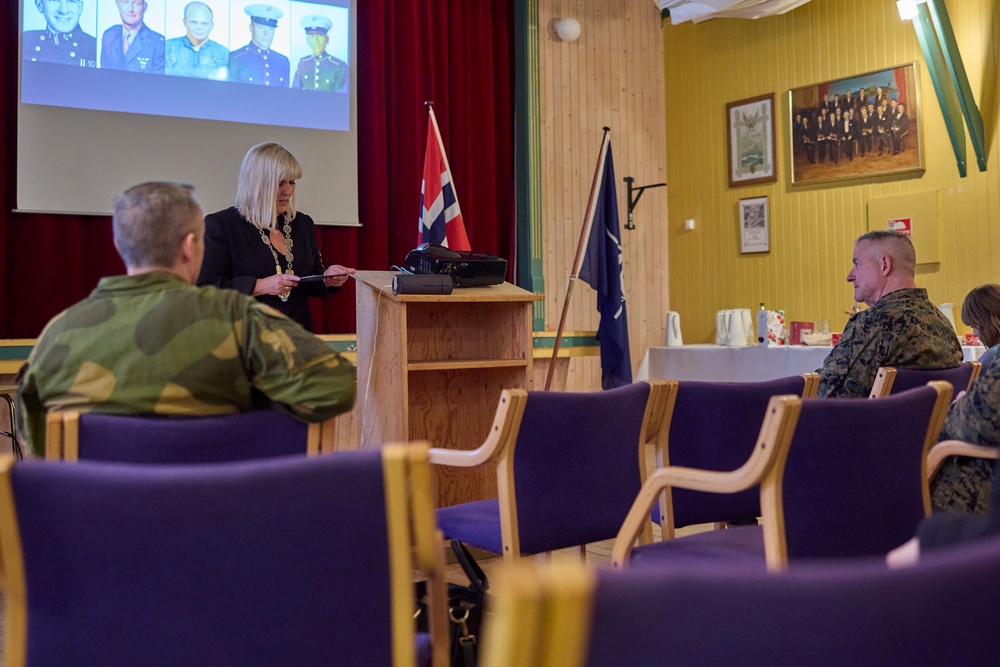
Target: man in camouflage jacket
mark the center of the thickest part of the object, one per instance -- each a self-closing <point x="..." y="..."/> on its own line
<point x="150" y="342"/>
<point x="963" y="484"/>
<point x="900" y="328"/>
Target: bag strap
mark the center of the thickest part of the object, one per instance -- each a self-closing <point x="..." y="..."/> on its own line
<point x="471" y="568"/>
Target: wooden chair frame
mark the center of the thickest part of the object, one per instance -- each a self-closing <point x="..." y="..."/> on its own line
<point x="62" y="436"/>
<point x="941" y="451"/>
<point x="886" y="377"/>
<point x="765" y="467"/>
<point x="413" y="539"/>
<point x="502" y="439"/>
<point x="667" y="526"/>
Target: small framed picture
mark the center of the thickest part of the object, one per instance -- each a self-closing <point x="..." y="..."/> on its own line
<point x="754" y="225"/>
<point x="750" y="140"/>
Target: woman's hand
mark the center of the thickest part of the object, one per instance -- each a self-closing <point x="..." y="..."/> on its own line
<point x="337" y="275"/>
<point x="277" y="285"/>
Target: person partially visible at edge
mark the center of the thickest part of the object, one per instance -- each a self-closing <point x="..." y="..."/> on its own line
<point x="900" y="327"/>
<point x="149" y="342"/>
<point x="948" y="529"/>
<point x="962" y="484"/>
<point x="63" y="40"/>
<point x="262" y="246"/>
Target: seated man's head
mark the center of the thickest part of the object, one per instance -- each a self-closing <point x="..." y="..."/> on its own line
<point x="981" y="311"/>
<point x="199" y="21"/>
<point x="160" y="227"/>
<point x="884" y="261"/>
<point x="62" y="16"/>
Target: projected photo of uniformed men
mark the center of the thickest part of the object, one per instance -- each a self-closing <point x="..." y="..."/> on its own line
<point x="62" y="40"/>
<point x="132" y="46"/>
<point x="256" y="63"/>
<point x="319" y="71"/>
<point x="194" y="54"/>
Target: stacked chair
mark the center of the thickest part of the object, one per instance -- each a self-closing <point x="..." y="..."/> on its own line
<point x="280" y="561"/>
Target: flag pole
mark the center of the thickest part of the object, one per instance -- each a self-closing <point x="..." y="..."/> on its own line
<point x="588" y="221"/>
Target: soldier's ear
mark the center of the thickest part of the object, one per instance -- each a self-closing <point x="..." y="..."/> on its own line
<point x="885" y="264"/>
<point x="187" y="246"/>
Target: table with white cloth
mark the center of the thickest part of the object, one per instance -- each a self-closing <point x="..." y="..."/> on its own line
<point x="718" y="363"/>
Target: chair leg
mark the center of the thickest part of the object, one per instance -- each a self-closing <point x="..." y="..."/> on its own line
<point x="14" y="444"/>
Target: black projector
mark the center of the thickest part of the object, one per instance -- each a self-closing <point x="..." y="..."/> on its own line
<point x="466" y="269"/>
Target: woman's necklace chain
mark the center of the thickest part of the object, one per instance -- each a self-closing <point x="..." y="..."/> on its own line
<point x="287" y="228"/>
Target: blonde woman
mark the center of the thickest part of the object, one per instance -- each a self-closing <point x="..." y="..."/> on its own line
<point x="262" y="246"/>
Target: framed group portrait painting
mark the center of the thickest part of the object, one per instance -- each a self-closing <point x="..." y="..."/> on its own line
<point x="856" y="127"/>
<point x="750" y="141"/>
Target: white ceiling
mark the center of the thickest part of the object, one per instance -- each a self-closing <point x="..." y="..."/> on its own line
<point x="703" y="10"/>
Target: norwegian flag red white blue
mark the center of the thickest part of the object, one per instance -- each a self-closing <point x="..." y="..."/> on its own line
<point x="440" y="216"/>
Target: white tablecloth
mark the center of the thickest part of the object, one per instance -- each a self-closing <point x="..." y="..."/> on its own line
<point x="715" y="363"/>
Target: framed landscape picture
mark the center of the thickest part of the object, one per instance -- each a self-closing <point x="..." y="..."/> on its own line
<point x="857" y="127"/>
<point x="754" y="225"/>
<point x="750" y="141"/>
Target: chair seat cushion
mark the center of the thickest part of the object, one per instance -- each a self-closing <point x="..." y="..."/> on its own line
<point x="476" y="523"/>
<point x="739" y="547"/>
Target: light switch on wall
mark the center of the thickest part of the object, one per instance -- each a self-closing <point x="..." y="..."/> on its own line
<point x="689" y="224"/>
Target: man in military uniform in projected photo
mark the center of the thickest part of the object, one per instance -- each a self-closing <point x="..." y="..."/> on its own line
<point x="62" y="41"/>
<point x="195" y="55"/>
<point x="132" y="46"/>
<point x="256" y="63"/>
<point x="320" y="71"/>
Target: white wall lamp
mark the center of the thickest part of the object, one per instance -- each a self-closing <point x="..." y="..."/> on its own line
<point x="567" y="29"/>
<point x="908" y="8"/>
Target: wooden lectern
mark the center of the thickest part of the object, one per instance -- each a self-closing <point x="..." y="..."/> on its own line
<point x="431" y="367"/>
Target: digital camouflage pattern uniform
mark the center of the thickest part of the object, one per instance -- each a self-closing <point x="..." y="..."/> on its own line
<point x="152" y="344"/>
<point x="903" y="329"/>
<point x="963" y="483"/>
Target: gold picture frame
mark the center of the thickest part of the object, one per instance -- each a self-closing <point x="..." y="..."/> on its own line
<point x="852" y="127"/>
<point x="750" y="141"/>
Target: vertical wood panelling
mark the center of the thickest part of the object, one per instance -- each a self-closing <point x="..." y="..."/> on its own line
<point x="612" y="76"/>
<point x="813" y="227"/>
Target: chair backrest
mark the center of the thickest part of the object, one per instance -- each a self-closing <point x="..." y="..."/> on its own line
<point x="855" y="480"/>
<point x="715" y="427"/>
<point x="289" y="561"/>
<point x="890" y="380"/>
<point x="157" y="439"/>
<point x="577" y="465"/>
<point x="941" y="611"/>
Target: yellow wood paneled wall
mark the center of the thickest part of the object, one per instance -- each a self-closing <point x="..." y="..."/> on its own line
<point x="813" y="227"/>
<point x="611" y="76"/>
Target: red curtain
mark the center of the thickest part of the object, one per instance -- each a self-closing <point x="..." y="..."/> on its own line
<point x="457" y="53"/>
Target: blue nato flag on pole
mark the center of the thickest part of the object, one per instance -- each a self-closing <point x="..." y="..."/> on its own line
<point x="601" y="268"/>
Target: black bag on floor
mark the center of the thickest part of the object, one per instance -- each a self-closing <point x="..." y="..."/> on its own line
<point x="465" y="609"/>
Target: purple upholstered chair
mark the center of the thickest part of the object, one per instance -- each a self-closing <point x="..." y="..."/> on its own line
<point x="157" y="439"/>
<point x="891" y="380"/>
<point x="943" y="611"/>
<point x="851" y="482"/>
<point x="714" y="427"/>
<point x="568" y="467"/>
<point x="285" y="561"/>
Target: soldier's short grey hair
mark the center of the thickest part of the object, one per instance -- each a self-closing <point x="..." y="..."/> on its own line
<point x="264" y="167"/>
<point x="896" y="245"/>
<point x="151" y="220"/>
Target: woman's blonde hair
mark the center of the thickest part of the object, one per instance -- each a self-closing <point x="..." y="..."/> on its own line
<point x="264" y="167"/>
<point x="981" y="309"/>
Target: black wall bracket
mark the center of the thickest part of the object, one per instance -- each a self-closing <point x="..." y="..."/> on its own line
<point x="638" y="193"/>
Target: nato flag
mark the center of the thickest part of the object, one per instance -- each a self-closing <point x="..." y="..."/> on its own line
<point x="602" y="269"/>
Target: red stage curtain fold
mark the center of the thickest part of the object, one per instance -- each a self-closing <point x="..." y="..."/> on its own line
<point x="457" y="53"/>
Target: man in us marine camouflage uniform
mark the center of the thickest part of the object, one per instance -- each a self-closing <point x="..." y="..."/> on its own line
<point x="900" y="328"/>
<point x="963" y="484"/>
<point x="150" y="342"/>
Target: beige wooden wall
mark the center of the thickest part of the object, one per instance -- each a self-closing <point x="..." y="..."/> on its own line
<point x="611" y="76"/>
<point x="813" y="227"/>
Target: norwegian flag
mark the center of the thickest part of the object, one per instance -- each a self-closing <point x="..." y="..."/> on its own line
<point x="440" y="216"/>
